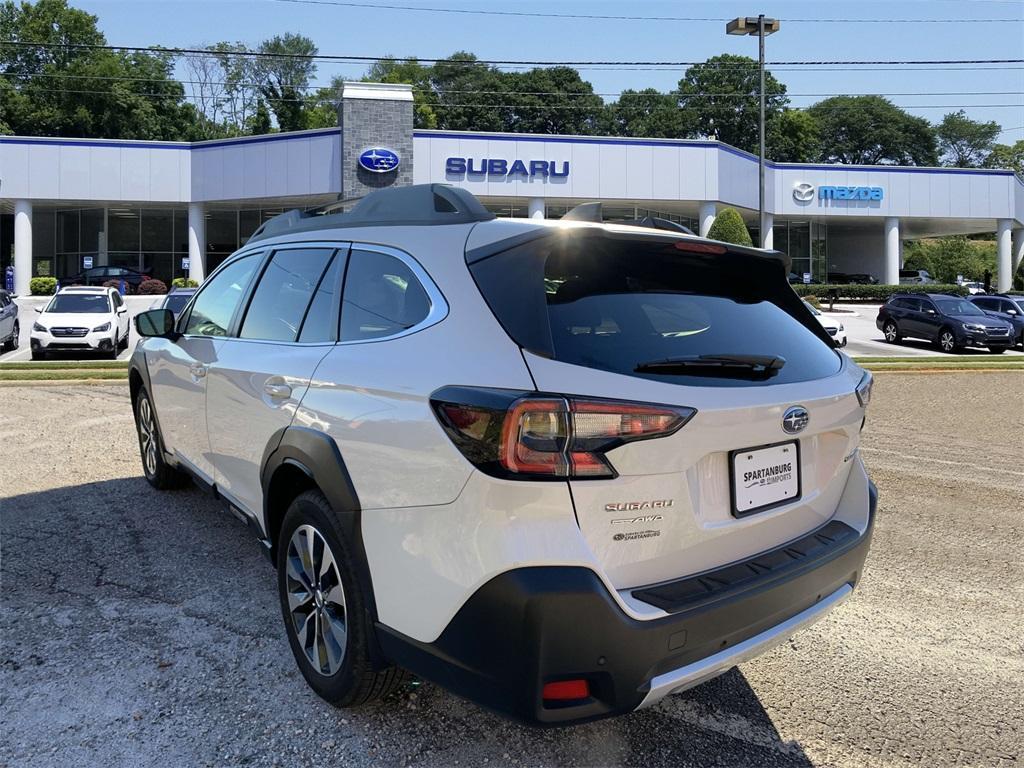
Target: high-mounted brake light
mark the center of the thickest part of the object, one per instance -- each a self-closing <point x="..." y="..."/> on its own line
<point x="692" y="247"/>
<point x="517" y="435"/>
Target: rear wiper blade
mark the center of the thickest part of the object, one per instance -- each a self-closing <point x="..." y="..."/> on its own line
<point x="737" y="366"/>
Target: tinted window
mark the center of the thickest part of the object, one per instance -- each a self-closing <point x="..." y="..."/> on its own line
<point x="86" y="303"/>
<point x="924" y="305"/>
<point x="176" y="302"/>
<point x="616" y="305"/>
<point x="382" y="297"/>
<point x="957" y="307"/>
<point x="321" y="323"/>
<point x="283" y="294"/>
<point x="216" y="303"/>
<point x="985" y="303"/>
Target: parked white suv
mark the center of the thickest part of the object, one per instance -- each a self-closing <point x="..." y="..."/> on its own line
<point x="561" y="468"/>
<point x="81" y="319"/>
<point x="833" y="327"/>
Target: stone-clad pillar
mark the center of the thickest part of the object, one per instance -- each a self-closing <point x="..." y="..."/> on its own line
<point x="374" y="115"/>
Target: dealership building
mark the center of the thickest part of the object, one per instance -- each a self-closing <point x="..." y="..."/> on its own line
<point x="174" y="209"/>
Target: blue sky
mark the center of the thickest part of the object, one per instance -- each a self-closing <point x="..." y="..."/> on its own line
<point x="365" y="31"/>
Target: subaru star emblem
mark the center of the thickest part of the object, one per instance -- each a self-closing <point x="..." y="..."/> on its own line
<point x="379" y="159"/>
<point x="795" y="419"/>
<point x="803" y="192"/>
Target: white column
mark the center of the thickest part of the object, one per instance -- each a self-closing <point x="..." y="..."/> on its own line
<point x="1004" y="276"/>
<point x="22" y="246"/>
<point x="769" y="231"/>
<point x="706" y="217"/>
<point x="197" y="241"/>
<point x="892" y="251"/>
<point x="1017" y="250"/>
<point x="535" y="208"/>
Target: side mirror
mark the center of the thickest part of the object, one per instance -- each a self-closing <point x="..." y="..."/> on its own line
<point x="930" y="311"/>
<point x="39" y="310"/>
<point x="156" y="322"/>
<point x="122" y="310"/>
<point x="1012" y="312"/>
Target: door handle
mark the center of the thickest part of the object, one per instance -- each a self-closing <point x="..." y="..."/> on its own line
<point x="198" y="371"/>
<point x="277" y="390"/>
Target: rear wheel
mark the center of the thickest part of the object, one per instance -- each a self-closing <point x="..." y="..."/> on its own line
<point x="11" y="343"/>
<point x="947" y="341"/>
<point x="325" y="617"/>
<point x="891" y="332"/>
<point x="159" y="473"/>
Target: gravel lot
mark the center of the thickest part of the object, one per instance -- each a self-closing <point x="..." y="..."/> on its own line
<point x="142" y="629"/>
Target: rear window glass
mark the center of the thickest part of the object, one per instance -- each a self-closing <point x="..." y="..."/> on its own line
<point x="620" y="305"/>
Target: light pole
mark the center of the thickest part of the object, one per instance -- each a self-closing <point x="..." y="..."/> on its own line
<point x="762" y="27"/>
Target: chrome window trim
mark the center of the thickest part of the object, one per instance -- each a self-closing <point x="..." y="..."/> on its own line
<point x="438" y="304"/>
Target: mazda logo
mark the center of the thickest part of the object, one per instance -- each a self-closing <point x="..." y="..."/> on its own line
<point x="803" y="192"/>
<point x="795" y="419"/>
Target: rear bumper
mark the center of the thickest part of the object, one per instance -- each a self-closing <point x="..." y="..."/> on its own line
<point x="532" y="626"/>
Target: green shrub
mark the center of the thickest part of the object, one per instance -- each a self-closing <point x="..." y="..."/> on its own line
<point x="42" y="286"/>
<point x="152" y="287"/>
<point x="879" y="293"/>
<point x="728" y="227"/>
<point x="814" y="301"/>
<point x="184" y="282"/>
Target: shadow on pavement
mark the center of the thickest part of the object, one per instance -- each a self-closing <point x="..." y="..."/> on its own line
<point x="144" y="626"/>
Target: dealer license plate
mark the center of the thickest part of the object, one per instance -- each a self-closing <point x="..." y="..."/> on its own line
<point x="764" y="477"/>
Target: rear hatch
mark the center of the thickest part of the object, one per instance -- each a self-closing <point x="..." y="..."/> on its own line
<point x="714" y="331"/>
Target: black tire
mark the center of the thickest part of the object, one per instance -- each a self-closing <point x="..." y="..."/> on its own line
<point x="946" y="341"/>
<point x="347" y="679"/>
<point x="158" y="472"/>
<point x="997" y="350"/>
<point x="891" y="331"/>
<point x="12" y="343"/>
<point x="38" y="354"/>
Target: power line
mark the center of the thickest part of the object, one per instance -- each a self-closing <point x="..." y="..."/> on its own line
<point x="608" y="17"/>
<point x="538" y="63"/>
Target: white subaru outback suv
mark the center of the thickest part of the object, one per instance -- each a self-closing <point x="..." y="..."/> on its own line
<point x="83" y="319"/>
<point x="561" y="468"/>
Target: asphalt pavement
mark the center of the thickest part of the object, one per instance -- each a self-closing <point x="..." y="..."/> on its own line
<point x="140" y="628"/>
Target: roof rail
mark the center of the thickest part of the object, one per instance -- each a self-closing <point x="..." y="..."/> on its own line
<point x="416" y="205"/>
<point x="595" y="212"/>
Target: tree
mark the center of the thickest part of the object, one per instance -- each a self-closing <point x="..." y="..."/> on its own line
<point x="728" y="227"/>
<point x="1007" y="156"/>
<point x="965" y="143"/>
<point x="872" y="130"/>
<point x="470" y="96"/>
<point x="391" y="70"/>
<point x="66" y="88"/>
<point x="554" y="100"/>
<point x="948" y="257"/>
<point x="284" y="71"/>
<point x="721" y="99"/>
<point x="241" y="89"/>
<point x="647" y="113"/>
<point x="793" y="137"/>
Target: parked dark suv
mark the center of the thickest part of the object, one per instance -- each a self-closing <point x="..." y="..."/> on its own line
<point x="951" y="322"/>
<point x="1009" y="309"/>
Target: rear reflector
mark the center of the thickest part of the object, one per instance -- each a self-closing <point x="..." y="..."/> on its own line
<point x="566" y="690"/>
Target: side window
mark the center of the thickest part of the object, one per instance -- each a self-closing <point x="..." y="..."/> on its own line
<point x="216" y="303"/>
<point x="382" y="297"/>
<point x="283" y="294"/>
<point x="926" y="305"/>
<point x="1006" y="306"/>
<point x="321" y="323"/>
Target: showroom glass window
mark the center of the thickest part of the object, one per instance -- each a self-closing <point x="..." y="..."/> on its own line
<point x="283" y="294"/>
<point x="215" y="305"/>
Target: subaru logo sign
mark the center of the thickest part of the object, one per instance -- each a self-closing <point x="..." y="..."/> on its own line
<point x="795" y="419"/>
<point x="803" y="192"/>
<point x="379" y="159"/>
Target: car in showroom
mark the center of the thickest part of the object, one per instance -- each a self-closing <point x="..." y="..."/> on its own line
<point x="561" y="468"/>
<point x="950" y="322"/>
<point x="10" y="329"/>
<point x="1009" y="309"/>
<point x="177" y="299"/>
<point x="81" y="319"/>
<point x="132" y="278"/>
<point x="833" y="327"/>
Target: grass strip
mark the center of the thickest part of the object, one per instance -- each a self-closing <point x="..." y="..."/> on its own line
<point x="58" y="365"/>
<point x="940" y="359"/>
<point x="938" y="368"/>
<point x="65" y="375"/>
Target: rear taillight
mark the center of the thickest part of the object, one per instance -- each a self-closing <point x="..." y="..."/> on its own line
<point x="539" y="436"/>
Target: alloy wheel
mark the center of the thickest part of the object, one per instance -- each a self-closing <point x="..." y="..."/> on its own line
<point x="316" y="600"/>
<point x="147" y="436"/>
<point x="16" y="338"/>
<point x="946" y="341"/>
<point x="890" y="332"/>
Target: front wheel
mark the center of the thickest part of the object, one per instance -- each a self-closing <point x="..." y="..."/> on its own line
<point x="947" y="341"/>
<point x="325" y="617"/>
<point x="891" y="332"/>
<point x="38" y="354"/>
<point x="158" y="472"/>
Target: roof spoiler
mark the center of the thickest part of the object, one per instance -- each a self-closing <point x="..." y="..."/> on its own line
<point x="416" y="205"/>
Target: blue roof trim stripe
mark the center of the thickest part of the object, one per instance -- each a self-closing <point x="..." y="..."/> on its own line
<point x="710" y="145"/>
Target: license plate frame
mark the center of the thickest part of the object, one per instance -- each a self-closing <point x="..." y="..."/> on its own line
<point x="735" y="501"/>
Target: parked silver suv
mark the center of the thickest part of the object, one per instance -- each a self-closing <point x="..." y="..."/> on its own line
<point x="562" y="468"/>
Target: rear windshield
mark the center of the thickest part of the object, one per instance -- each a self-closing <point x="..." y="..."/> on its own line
<point x="84" y="303"/>
<point x="623" y="304"/>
